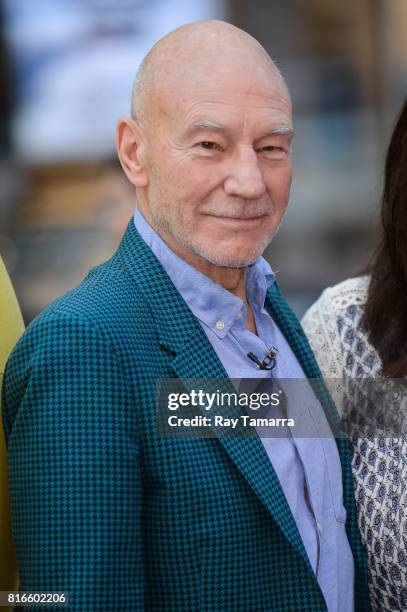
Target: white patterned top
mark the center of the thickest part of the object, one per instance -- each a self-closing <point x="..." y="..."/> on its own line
<point x="338" y="339"/>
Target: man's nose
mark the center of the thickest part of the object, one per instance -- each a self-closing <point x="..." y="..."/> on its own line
<point x="245" y="178"/>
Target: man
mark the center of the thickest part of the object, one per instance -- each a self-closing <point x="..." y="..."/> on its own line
<point x="103" y="507"/>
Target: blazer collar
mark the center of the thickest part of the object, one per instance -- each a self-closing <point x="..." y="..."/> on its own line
<point x="175" y="322"/>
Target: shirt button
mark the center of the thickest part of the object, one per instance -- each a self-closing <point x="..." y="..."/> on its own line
<point x="319" y="527"/>
<point x="239" y="315"/>
<point x="220" y="325"/>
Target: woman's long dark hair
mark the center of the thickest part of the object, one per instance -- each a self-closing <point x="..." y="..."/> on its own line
<point x="385" y="317"/>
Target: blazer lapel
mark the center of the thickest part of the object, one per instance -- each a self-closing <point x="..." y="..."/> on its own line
<point x="194" y="358"/>
<point x="292" y="330"/>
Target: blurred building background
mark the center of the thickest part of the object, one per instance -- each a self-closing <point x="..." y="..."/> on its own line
<point x="66" y="73"/>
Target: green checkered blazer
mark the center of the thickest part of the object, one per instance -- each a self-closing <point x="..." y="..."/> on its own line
<point x="122" y="519"/>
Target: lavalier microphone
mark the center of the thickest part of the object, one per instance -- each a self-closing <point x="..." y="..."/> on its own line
<point x="269" y="360"/>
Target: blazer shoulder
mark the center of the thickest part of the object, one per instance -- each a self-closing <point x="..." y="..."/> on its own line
<point x="106" y="309"/>
<point x="104" y="297"/>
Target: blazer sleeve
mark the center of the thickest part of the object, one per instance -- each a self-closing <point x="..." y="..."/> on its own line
<point x="75" y="484"/>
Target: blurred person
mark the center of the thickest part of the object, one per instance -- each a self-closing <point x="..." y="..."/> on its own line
<point x="358" y="329"/>
<point x="106" y="509"/>
<point x="11" y="328"/>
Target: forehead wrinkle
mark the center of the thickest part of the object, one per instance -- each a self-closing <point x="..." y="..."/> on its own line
<point x="205" y="116"/>
<point x="201" y="100"/>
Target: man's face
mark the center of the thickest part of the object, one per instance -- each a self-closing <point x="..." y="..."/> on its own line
<point x="219" y="167"/>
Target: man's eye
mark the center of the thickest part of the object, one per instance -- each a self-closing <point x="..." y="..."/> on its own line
<point x="274" y="152"/>
<point x="208" y="145"/>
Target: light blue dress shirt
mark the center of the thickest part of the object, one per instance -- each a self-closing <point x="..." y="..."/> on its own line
<point x="308" y="469"/>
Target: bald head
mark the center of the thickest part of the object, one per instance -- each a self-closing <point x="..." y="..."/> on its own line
<point x="193" y="53"/>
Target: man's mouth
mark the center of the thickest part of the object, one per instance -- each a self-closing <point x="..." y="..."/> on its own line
<point x="236" y="219"/>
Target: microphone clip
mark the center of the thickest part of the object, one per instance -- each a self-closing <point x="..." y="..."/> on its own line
<point x="269" y="360"/>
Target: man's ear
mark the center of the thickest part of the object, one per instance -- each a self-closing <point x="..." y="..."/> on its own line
<point x="130" y="149"/>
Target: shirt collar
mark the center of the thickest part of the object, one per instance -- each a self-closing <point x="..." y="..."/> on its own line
<point x="211" y="304"/>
